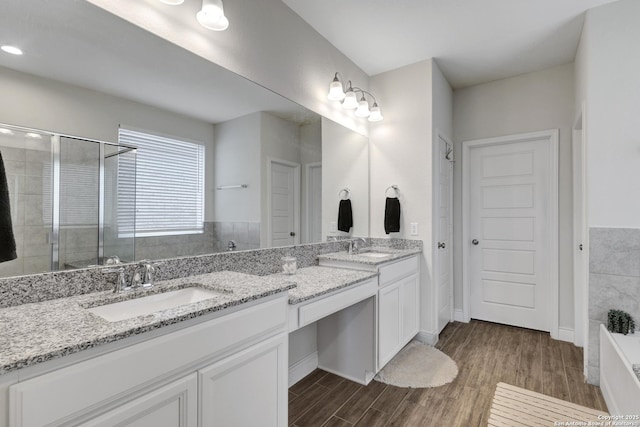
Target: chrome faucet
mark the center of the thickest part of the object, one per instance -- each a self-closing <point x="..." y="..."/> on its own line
<point x="144" y="274"/>
<point x="354" y="247"/>
<point x="121" y="283"/>
<point x="231" y="246"/>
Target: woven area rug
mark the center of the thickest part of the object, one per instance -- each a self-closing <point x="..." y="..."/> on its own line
<point x="515" y="406"/>
<point x="418" y="365"/>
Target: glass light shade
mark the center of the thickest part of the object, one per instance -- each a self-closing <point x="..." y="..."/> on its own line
<point x="350" y="100"/>
<point x="335" y="91"/>
<point x="33" y="135"/>
<point x="376" y="114"/>
<point x="6" y="131"/>
<point x="12" y="50"/>
<point x="212" y="15"/>
<point x="172" y="2"/>
<point x="363" y="108"/>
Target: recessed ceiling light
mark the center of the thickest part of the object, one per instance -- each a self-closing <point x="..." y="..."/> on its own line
<point x="6" y="131"/>
<point x="12" y="50"/>
<point x="34" y="135"/>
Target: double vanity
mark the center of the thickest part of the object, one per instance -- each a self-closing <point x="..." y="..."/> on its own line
<point x="203" y="350"/>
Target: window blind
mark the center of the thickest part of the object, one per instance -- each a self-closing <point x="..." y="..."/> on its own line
<point x="169" y="182"/>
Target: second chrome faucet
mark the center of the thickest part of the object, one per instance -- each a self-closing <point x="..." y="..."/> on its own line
<point x="143" y="276"/>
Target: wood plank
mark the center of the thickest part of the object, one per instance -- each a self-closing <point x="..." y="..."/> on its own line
<point x="336" y="422"/>
<point x="312" y="396"/>
<point x="358" y="405"/>
<point x="554" y="380"/>
<point x="529" y="373"/>
<point x="373" y="418"/>
<point x="330" y="381"/>
<point x="302" y="385"/>
<point x="327" y="407"/>
<point x="390" y="399"/>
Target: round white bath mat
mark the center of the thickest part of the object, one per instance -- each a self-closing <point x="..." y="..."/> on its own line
<point x="418" y="365"/>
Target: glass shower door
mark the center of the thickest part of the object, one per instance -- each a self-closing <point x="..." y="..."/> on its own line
<point x="77" y="212"/>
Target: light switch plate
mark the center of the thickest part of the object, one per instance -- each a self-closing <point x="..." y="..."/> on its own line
<point x="333" y="226"/>
<point x="414" y="228"/>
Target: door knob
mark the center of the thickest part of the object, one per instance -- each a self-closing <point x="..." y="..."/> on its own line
<point x="292" y="234"/>
<point x="441" y="245"/>
<point x="475" y="241"/>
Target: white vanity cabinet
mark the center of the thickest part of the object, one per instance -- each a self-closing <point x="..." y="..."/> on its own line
<point x="224" y="369"/>
<point x="173" y="405"/>
<point x="398" y="307"/>
<point x="248" y="388"/>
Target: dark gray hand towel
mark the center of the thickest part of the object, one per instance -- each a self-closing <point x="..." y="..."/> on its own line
<point x="392" y="215"/>
<point x="345" y="216"/>
<point x="7" y="241"/>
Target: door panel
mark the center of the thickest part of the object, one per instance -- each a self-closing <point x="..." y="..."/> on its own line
<point x="443" y="254"/>
<point x="283" y="199"/>
<point x="509" y="216"/>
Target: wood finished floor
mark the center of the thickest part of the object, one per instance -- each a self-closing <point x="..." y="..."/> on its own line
<point x="486" y="354"/>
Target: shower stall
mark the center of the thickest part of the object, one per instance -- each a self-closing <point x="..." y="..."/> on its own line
<point x="69" y="196"/>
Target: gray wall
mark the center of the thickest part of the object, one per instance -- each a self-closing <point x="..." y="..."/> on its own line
<point x="614" y="283"/>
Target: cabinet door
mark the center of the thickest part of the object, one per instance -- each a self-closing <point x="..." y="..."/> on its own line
<point x="388" y="323"/>
<point x="248" y="388"/>
<point x="174" y="405"/>
<point x="410" y="308"/>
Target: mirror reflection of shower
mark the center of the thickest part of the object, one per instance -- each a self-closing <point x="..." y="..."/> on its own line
<point x="64" y="194"/>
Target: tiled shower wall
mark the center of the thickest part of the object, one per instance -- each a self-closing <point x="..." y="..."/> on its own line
<point x="614" y="283"/>
<point x="24" y="168"/>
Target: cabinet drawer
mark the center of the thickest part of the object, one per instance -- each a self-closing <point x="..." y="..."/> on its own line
<point x="77" y="390"/>
<point x="393" y="272"/>
<point x="311" y="312"/>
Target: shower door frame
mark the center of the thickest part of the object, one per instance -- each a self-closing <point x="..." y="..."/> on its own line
<point x="55" y="196"/>
<point x="55" y="161"/>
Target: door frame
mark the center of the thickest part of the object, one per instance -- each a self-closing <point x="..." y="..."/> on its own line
<point x="436" y="200"/>
<point x="296" y="198"/>
<point x="551" y="136"/>
<point x="580" y="234"/>
<point x="307" y="199"/>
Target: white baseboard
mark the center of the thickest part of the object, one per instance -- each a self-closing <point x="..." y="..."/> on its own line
<point x="302" y="368"/>
<point x="427" y="337"/>
<point x="458" y="316"/>
<point x="565" y="334"/>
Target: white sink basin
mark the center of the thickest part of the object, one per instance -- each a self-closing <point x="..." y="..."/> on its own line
<point x="150" y="304"/>
<point x="376" y="255"/>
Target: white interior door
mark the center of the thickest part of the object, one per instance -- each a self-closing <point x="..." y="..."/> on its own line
<point x="443" y="252"/>
<point x="509" y="234"/>
<point x="314" y="203"/>
<point x="283" y="203"/>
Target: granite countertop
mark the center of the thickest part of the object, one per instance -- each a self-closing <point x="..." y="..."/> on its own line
<point x="312" y="282"/>
<point x="37" y="332"/>
<point x="358" y="258"/>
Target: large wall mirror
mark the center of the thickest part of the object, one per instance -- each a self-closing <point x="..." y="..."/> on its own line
<point x="120" y="111"/>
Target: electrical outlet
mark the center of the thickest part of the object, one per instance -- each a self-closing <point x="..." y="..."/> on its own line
<point x="414" y="228"/>
<point x="333" y="226"/>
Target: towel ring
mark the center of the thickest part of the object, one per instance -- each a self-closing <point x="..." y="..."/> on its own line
<point x="395" y="190"/>
<point x="346" y="192"/>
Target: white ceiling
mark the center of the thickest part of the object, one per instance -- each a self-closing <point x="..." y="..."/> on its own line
<point x="75" y="42"/>
<point x="473" y="41"/>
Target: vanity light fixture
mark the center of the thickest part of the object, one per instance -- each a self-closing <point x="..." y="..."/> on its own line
<point x="33" y="135"/>
<point x="6" y="131"/>
<point x="212" y="15"/>
<point x="172" y="2"/>
<point x="350" y="99"/>
<point x="11" y="49"/>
